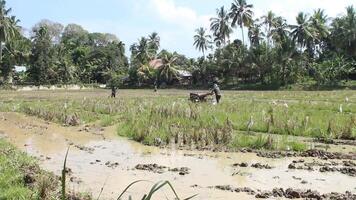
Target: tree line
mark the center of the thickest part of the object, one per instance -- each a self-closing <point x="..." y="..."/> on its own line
<point x="316" y="49"/>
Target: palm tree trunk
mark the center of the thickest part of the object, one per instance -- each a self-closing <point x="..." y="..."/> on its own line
<point x="268" y="41"/>
<point x="243" y="36"/>
<point x="0" y="52"/>
<point x="243" y="43"/>
<point x="1" y="55"/>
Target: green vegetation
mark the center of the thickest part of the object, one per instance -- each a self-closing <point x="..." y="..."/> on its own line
<point x="21" y="177"/>
<point x="316" y="50"/>
<point x="259" y="120"/>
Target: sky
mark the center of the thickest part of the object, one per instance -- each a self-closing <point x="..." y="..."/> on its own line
<point x="174" y="20"/>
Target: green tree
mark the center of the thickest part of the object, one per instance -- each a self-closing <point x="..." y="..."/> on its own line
<point x="255" y="34"/>
<point x="241" y="15"/>
<point x="303" y="33"/>
<point x="64" y="66"/>
<point x="169" y="70"/>
<point x="75" y="36"/>
<point x="202" y="40"/>
<point x="101" y="61"/>
<point x="54" y="29"/>
<point x="318" y="22"/>
<point x="220" y="26"/>
<point x="41" y="69"/>
<point x="154" y="44"/>
<point x="343" y="33"/>
<point x="140" y="51"/>
<point x="16" y="52"/>
<point x="8" y="26"/>
<point x="280" y="31"/>
<point x="269" y="21"/>
<point x="333" y="70"/>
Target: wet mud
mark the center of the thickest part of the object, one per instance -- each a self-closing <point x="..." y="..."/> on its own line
<point x="99" y="157"/>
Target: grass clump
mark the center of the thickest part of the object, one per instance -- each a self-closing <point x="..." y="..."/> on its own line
<point x="21" y="177"/>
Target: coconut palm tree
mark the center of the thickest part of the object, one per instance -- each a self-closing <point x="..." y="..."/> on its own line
<point x="303" y="33"/>
<point x="220" y="27"/>
<point x="8" y="26"/>
<point x="350" y="26"/>
<point x="269" y="21"/>
<point x="279" y="31"/>
<point x="255" y="35"/>
<point x="318" y="22"/>
<point x="140" y="51"/>
<point x="319" y="18"/>
<point x="169" y="70"/>
<point x="241" y="15"/>
<point x="344" y="32"/>
<point x="202" y="40"/>
<point x="154" y="43"/>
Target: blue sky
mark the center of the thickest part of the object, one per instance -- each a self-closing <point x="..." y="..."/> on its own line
<point x="174" y="20"/>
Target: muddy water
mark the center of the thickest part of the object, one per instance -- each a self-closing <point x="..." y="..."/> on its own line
<point x="49" y="141"/>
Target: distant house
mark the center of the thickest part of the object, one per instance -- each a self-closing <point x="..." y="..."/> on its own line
<point x="185" y="77"/>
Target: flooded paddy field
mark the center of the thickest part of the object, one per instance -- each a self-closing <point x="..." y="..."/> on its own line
<point x="282" y="161"/>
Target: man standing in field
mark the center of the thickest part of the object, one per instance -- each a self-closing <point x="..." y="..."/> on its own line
<point x="113" y="91"/>
<point x="216" y="90"/>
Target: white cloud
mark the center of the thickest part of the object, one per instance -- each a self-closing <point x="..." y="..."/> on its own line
<point x="179" y="15"/>
<point x="290" y="8"/>
<point x="181" y="22"/>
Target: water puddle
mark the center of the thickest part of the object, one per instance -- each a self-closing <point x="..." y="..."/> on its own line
<point x="100" y="158"/>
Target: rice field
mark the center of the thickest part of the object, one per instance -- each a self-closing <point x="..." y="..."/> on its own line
<point x="271" y="120"/>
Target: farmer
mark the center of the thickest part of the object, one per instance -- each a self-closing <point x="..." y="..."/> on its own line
<point x="155" y="86"/>
<point x="113" y="91"/>
<point x="216" y="90"/>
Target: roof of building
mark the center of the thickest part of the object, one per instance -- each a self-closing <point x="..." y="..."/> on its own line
<point x="156" y="63"/>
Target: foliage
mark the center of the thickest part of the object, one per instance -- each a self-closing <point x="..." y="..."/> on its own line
<point x="202" y="40"/>
<point x="315" y="47"/>
<point x="21" y="178"/>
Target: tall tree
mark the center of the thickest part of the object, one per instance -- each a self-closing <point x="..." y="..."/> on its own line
<point x="318" y="23"/>
<point x="64" y="65"/>
<point x="220" y="26"/>
<point x="74" y="36"/>
<point x="140" y="52"/>
<point x="15" y="52"/>
<point x="202" y="40"/>
<point x="41" y="60"/>
<point x="343" y="33"/>
<point x="303" y="33"/>
<point x="255" y="34"/>
<point x="269" y="21"/>
<point x="280" y="31"/>
<point x="169" y="70"/>
<point x="8" y="26"/>
<point x="241" y="15"/>
<point x="154" y="43"/>
<point x="54" y="29"/>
